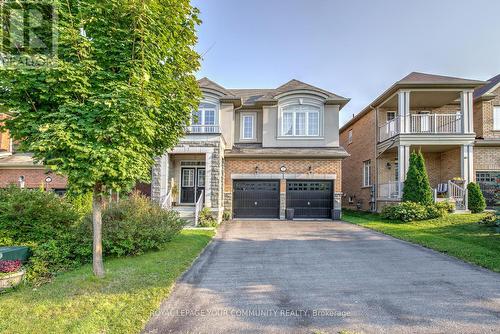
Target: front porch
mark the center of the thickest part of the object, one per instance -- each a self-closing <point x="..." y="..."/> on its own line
<point x="189" y="178"/>
<point x="446" y="165"/>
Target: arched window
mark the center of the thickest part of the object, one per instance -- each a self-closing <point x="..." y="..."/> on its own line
<point x="300" y="120"/>
<point x="206" y="118"/>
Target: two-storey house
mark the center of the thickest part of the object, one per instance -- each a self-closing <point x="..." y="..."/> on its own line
<point x="430" y="113"/>
<point x="256" y="153"/>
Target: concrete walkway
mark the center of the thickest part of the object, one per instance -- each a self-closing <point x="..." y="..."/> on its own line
<point x="325" y="277"/>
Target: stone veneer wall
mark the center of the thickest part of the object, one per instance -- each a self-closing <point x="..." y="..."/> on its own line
<point x="215" y="170"/>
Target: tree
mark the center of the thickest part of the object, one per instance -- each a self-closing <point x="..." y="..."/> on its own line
<point x="416" y="187"/>
<point x="120" y="93"/>
<point x="477" y="203"/>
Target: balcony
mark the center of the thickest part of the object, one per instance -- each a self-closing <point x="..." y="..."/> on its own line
<point x="195" y="129"/>
<point x="422" y="124"/>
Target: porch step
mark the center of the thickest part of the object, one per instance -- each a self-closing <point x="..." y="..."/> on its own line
<point x="185" y="212"/>
<point x="461" y="212"/>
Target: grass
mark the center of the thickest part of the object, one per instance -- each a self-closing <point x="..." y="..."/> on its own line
<point x="122" y="302"/>
<point x="456" y="235"/>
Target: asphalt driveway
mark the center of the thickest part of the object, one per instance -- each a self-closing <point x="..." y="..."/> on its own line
<point x="325" y="277"/>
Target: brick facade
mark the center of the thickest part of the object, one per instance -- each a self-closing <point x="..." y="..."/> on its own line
<point x="483" y="117"/>
<point x="33" y="178"/>
<point x="270" y="168"/>
<point x="361" y="149"/>
<point x="486" y="159"/>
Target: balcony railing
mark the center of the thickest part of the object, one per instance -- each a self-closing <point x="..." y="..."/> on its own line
<point x="389" y="190"/>
<point x="203" y="129"/>
<point x="422" y="123"/>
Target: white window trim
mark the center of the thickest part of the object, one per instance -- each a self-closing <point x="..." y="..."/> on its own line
<point x="253" y="115"/>
<point x="216" y="107"/>
<point x="496" y="125"/>
<point x="367" y="172"/>
<point x="349" y="136"/>
<point x="317" y="104"/>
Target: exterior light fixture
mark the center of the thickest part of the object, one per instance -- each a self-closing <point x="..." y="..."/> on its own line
<point x="388" y="165"/>
<point x="256" y="169"/>
<point x="21" y="181"/>
<point x="283" y="168"/>
<point x="310" y="169"/>
<point x="48" y="179"/>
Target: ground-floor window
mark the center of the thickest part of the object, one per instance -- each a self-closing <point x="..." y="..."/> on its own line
<point x="489" y="182"/>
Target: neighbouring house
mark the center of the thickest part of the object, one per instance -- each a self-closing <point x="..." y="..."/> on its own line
<point x="430" y="113"/>
<point x="18" y="168"/>
<point x="487" y="144"/>
<point x="256" y="153"/>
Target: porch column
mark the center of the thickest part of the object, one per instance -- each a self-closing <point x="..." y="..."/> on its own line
<point x="466" y="163"/>
<point x="466" y="100"/>
<point x="208" y="178"/>
<point x="159" y="180"/>
<point x="404" y="111"/>
<point x="403" y="164"/>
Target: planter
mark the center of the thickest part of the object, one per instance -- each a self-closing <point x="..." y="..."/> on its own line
<point x="11" y="280"/>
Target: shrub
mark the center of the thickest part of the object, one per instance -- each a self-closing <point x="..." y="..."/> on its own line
<point x="45" y="223"/>
<point x="132" y="226"/>
<point x="405" y="212"/>
<point x="206" y="219"/>
<point x="416" y="188"/>
<point x="34" y="216"/>
<point x="81" y="203"/>
<point x="477" y="202"/>
<point x="9" y="266"/>
<point x="439" y="209"/>
<point x="226" y="215"/>
<point x="491" y="219"/>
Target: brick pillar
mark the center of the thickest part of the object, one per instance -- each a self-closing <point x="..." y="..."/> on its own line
<point x="282" y="199"/>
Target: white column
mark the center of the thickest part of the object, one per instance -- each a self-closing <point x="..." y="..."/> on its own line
<point x="403" y="164"/>
<point x="466" y="163"/>
<point x="466" y="100"/>
<point x="164" y="175"/>
<point x="208" y="179"/>
<point x="404" y="111"/>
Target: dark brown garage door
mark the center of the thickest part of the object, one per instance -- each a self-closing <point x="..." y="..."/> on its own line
<point x="256" y="199"/>
<point x="310" y="199"/>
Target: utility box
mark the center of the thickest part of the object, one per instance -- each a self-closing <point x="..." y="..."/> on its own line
<point x="14" y="253"/>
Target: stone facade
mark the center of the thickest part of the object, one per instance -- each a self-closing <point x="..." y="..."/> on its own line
<point x="483" y="117"/>
<point x="191" y="148"/>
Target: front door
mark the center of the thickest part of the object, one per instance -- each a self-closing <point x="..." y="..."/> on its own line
<point x="192" y="184"/>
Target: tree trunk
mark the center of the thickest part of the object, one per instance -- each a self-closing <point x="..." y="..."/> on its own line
<point x="97" y="263"/>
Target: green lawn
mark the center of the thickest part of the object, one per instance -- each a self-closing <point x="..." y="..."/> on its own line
<point x="456" y="235"/>
<point x="122" y="302"/>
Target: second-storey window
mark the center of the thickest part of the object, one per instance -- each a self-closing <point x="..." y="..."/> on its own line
<point x="300" y="120"/>
<point x="247" y="126"/>
<point x="205" y="115"/>
<point x="366" y="173"/>
<point x="496" y="118"/>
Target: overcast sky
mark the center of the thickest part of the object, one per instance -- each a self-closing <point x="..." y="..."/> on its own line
<point x="353" y="48"/>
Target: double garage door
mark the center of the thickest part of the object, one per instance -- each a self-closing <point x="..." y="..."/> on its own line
<point x="261" y="198"/>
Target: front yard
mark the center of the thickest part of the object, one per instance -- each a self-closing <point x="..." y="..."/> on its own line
<point x="457" y="235"/>
<point x="122" y="302"/>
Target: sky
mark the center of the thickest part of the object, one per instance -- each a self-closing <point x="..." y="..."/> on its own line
<point x="353" y="48"/>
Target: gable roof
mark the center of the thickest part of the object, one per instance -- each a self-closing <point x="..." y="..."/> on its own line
<point x="254" y="96"/>
<point x="416" y="80"/>
<point x="486" y="89"/>
<point x="206" y="83"/>
<point x="425" y="78"/>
